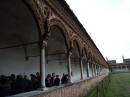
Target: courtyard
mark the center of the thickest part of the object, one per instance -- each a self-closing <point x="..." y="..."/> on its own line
<point x="119" y="86"/>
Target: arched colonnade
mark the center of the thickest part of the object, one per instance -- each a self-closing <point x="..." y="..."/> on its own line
<point x="59" y="43"/>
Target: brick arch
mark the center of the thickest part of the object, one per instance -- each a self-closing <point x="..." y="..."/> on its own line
<point x="97" y="59"/>
<point x="89" y="55"/>
<point x="85" y="49"/>
<point x="94" y="58"/>
<point x="99" y="62"/>
<point x="43" y="15"/>
<point x="56" y="22"/>
<point x="33" y="6"/>
<point x="78" y="42"/>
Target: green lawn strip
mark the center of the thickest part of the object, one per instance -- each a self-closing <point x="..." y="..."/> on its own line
<point x="93" y="92"/>
<point x="119" y="86"/>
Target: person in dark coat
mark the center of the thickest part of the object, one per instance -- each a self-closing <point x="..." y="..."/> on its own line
<point x="48" y="81"/>
<point x="53" y="78"/>
<point x="5" y="86"/>
<point x="38" y="76"/>
<point x="57" y="81"/>
<point x="21" y="85"/>
<point x="13" y="82"/>
<point x="29" y="84"/>
<point x="35" y="82"/>
<point x="65" y="79"/>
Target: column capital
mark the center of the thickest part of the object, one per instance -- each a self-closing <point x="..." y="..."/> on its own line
<point x="69" y="52"/>
<point x="44" y="44"/>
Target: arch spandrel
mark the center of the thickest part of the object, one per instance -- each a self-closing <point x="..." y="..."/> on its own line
<point x="84" y="51"/>
<point x="94" y="58"/>
<point x="89" y="55"/>
<point x="37" y="14"/>
<point x="60" y="25"/>
<point x="97" y="58"/>
<point x="84" y="48"/>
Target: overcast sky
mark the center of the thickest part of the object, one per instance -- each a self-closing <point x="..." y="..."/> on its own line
<point x="108" y="24"/>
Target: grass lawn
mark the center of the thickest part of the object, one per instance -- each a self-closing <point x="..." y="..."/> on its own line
<point x="99" y="90"/>
<point x="119" y="85"/>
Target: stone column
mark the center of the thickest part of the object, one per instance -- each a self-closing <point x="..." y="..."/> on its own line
<point x="42" y="65"/>
<point x="81" y="67"/>
<point x="95" y="69"/>
<point x="69" y="65"/>
<point x="99" y="69"/>
<point x="87" y="69"/>
<point x="92" y="69"/>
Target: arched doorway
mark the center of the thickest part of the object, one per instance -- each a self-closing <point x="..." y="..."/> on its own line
<point x="19" y="39"/>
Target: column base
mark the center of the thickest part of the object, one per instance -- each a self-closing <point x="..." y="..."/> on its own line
<point x="82" y="78"/>
<point x="70" y="81"/>
<point x="43" y="88"/>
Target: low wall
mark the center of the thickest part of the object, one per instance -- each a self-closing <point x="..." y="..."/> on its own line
<point x="78" y="89"/>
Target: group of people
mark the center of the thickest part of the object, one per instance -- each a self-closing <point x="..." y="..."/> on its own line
<point x="10" y="85"/>
<point x="14" y="84"/>
<point x="54" y="80"/>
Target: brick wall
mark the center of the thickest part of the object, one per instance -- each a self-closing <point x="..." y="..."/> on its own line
<point x="76" y="90"/>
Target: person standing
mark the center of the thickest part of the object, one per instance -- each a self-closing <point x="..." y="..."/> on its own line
<point x="53" y="78"/>
<point x="57" y="81"/>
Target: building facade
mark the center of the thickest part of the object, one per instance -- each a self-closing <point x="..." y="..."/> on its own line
<point x="45" y="36"/>
<point x="119" y="67"/>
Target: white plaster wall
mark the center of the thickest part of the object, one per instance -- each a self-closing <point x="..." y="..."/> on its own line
<point x="76" y="74"/>
<point x="96" y="70"/>
<point x="120" y="70"/>
<point x="84" y="62"/>
<point x="90" y="70"/>
<point x="13" y="61"/>
<point x="56" y="67"/>
<point x="17" y="26"/>
<point x="60" y="67"/>
<point x="85" y="71"/>
<point x="104" y="70"/>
